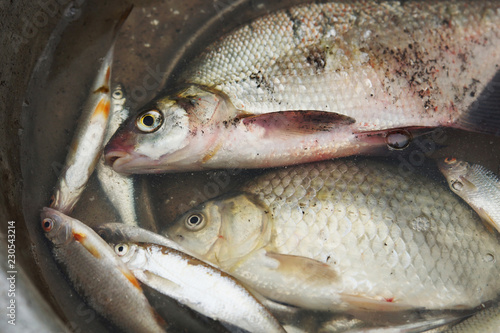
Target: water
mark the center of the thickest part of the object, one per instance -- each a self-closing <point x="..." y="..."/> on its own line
<point x="155" y="44"/>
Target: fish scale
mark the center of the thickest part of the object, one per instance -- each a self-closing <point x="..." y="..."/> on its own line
<point x="298" y="58"/>
<point x="386" y="235"/>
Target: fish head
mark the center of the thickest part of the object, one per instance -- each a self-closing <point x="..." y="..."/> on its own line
<point x="57" y="227"/>
<point x="223" y="230"/>
<point x="127" y="252"/>
<point x="172" y="133"/>
<point x="455" y="172"/>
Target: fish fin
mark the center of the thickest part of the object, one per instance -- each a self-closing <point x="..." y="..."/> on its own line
<point x="82" y="239"/>
<point x="161" y="284"/>
<point x="364" y="303"/>
<point x="311" y="269"/>
<point x="489" y="223"/>
<point x="297" y="122"/>
<point x="131" y="278"/>
<point x="484" y="114"/>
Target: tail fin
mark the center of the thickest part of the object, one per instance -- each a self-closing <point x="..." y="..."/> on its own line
<point x="484" y="114"/>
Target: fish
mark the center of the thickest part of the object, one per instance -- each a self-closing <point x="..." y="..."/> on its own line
<point x="198" y="285"/>
<point x="88" y="140"/>
<point x="319" y="81"/>
<point x="476" y="185"/>
<point x="119" y="189"/>
<point x="347" y="235"/>
<point x="98" y="274"/>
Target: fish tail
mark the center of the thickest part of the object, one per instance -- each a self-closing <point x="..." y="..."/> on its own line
<point x="483" y="114"/>
<point x="121" y="21"/>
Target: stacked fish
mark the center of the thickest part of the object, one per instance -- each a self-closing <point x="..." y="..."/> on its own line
<point x="354" y="236"/>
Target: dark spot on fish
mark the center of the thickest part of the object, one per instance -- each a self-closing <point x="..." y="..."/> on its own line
<point x="261" y="81"/>
<point x="102" y="89"/>
<point x="385" y="244"/>
<point x="296" y="25"/>
<point x="317" y="58"/>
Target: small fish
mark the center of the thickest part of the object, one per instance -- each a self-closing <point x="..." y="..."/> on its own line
<point x="98" y="274"/>
<point x="198" y="285"/>
<point x="319" y="81"/>
<point x="347" y="235"/>
<point x="118" y="188"/>
<point x="476" y="185"/>
<point x="88" y="139"/>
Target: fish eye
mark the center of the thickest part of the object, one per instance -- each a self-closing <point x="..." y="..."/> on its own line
<point x="47" y="224"/>
<point x="149" y="121"/>
<point x="450" y="160"/>
<point x="118" y="94"/>
<point x="195" y="221"/>
<point x="121" y="249"/>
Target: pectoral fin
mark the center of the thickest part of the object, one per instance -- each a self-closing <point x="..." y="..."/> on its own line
<point x="309" y="269"/>
<point x="297" y="122"/>
<point x="160" y="284"/>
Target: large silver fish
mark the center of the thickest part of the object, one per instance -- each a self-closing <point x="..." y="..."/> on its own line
<point x="479" y="187"/>
<point x="319" y="81"/>
<point x="98" y="274"/>
<point x="347" y="235"/>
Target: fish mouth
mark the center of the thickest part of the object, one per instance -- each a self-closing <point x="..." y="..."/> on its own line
<point x="114" y="158"/>
<point x="130" y="163"/>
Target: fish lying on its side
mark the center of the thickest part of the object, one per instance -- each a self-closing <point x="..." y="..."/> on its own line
<point x="476" y="185"/>
<point x="346" y="235"/>
<point x="158" y="262"/>
<point x="319" y="81"/>
<point x="118" y="188"/>
<point x="88" y="139"/>
<point x="98" y="274"/>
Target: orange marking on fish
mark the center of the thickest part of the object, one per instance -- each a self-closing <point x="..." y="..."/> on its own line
<point x="389" y="300"/>
<point x="102" y="109"/>
<point x="220" y="236"/>
<point x="450" y="160"/>
<point x="81" y="238"/>
<point x="211" y="154"/>
<point x="132" y="279"/>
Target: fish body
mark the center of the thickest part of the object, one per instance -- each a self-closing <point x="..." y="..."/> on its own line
<point x="118" y="188"/>
<point x="198" y="285"/>
<point x="347" y="235"/>
<point x="319" y="81"/>
<point x="476" y="185"/>
<point x="98" y="274"/>
<point x="88" y="139"/>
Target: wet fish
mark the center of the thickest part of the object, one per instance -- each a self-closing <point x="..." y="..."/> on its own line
<point x="98" y="274"/>
<point x="319" y="81"/>
<point x="479" y="187"/>
<point x="198" y="285"/>
<point x="347" y="235"/>
<point x="118" y="188"/>
<point x="88" y="139"/>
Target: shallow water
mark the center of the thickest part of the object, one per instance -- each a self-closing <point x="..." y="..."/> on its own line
<point x="157" y="42"/>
